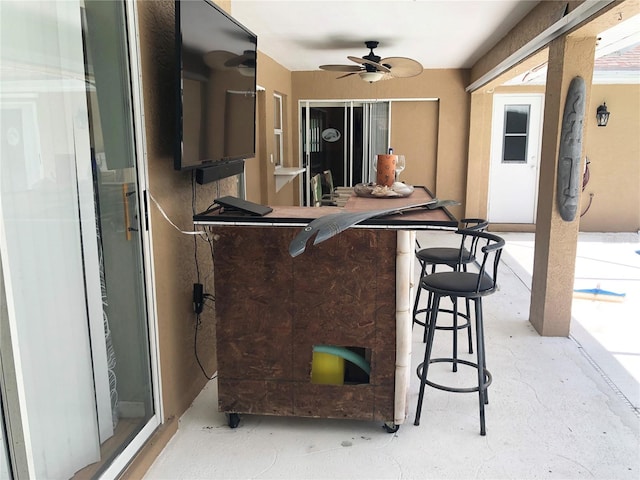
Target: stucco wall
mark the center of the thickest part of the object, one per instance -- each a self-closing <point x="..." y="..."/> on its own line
<point x="175" y="267"/>
<point x="414" y="133"/>
<point x="174" y="253"/>
<point x="614" y="153"/>
<point x="274" y="78"/>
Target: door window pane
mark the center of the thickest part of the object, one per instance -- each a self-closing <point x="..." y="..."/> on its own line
<point x="516" y="119"/>
<point x="516" y="133"/>
<point x="515" y="149"/>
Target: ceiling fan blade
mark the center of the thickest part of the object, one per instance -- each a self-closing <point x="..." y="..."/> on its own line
<point x="247" y="56"/>
<point x="347" y="75"/>
<point x="364" y="61"/>
<point x="341" y="68"/>
<point x="402" y="67"/>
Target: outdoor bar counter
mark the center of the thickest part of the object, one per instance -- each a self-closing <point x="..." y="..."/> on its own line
<point x="352" y="290"/>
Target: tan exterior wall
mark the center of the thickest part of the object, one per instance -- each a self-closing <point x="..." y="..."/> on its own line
<point x="274" y="78"/>
<point x="450" y="132"/>
<point x="479" y="154"/>
<point x="173" y="251"/>
<point x="614" y="153"/>
<point x="414" y="134"/>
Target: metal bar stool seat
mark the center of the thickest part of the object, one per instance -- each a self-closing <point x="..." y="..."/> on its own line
<point x="472" y="286"/>
<point x="456" y="258"/>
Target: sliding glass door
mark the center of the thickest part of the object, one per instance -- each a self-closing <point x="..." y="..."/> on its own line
<point x="5" y="466"/>
<point x="72" y="241"/>
<point x="342" y="137"/>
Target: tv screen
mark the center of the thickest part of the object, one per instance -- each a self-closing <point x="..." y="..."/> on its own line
<point x="216" y="61"/>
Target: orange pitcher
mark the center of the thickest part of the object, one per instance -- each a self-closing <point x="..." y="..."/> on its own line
<point x="386" y="169"/>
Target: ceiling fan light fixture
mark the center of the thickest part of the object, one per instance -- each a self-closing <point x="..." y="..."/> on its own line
<point x="371" y="76"/>
<point x="247" y="70"/>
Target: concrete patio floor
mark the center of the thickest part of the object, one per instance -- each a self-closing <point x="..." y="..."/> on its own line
<point x="560" y="408"/>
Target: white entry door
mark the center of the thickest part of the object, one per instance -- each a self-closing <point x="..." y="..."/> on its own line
<point x="515" y="153"/>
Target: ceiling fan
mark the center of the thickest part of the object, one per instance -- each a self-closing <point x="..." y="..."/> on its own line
<point x="372" y="68"/>
<point x="246" y="63"/>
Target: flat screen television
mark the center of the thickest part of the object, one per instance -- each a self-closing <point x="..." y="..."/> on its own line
<point x="216" y="97"/>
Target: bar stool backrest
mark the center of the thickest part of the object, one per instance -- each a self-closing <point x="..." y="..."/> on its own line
<point x="479" y="224"/>
<point x="328" y="178"/>
<point x="469" y="243"/>
<point x="491" y="248"/>
<point x="316" y="190"/>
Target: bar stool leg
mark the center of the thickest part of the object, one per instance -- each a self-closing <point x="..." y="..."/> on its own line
<point x="481" y="339"/>
<point x="427" y="316"/>
<point x="417" y="300"/>
<point x="481" y="363"/>
<point x="467" y="304"/>
<point x="427" y="355"/>
<point x="419" y="290"/>
<point x="454" y="300"/>
<point x="466" y="300"/>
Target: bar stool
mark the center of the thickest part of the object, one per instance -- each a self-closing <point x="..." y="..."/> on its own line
<point x="455" y="258"/>
<point x="468" y="285"/>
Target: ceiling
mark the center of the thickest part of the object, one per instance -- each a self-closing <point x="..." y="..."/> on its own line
<point x="303" y="34"/>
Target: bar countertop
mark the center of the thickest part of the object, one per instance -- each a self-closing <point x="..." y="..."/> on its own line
<point x="292" y="216"/>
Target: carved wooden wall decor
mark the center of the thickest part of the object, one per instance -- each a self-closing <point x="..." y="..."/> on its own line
<point x="569" y="175"/>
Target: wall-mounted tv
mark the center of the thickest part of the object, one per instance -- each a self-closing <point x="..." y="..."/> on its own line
<point x="216" y="98"/>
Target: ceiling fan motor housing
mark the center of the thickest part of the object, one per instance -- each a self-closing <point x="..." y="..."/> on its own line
<point x="372" y="57"/>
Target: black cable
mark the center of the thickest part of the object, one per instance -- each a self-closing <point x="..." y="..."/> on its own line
<point x="210" y="242"/>
<point x="195" y="350"/>
<point x="195" y="239"/>
<point x="206" y="296"/>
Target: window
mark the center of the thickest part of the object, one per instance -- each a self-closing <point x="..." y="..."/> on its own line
<point x="278" y="130"/>
<point x="516" y="133"/>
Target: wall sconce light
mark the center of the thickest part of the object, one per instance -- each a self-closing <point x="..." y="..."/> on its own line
<point x="602" y="115"/>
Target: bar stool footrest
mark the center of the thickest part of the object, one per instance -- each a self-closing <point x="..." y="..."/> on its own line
<point x="415" y="316"/>
<point x="454" y="389"/>
<point x="461" y="326"/>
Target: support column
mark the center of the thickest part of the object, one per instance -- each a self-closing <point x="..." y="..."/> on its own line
<point x="479" y="151"/>
<point x="556" y="240"/>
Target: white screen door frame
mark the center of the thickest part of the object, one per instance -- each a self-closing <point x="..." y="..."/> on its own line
<point x="514" y="162"/>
